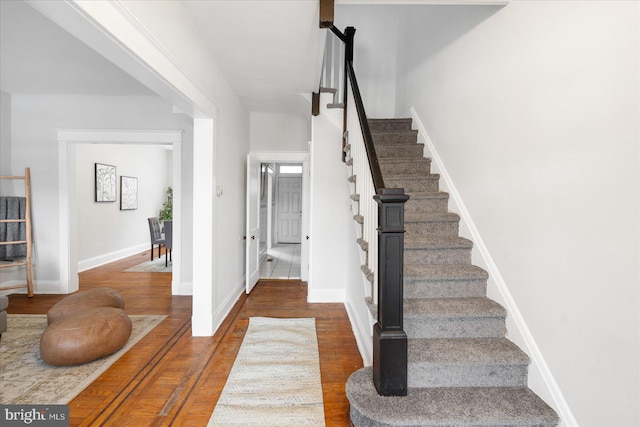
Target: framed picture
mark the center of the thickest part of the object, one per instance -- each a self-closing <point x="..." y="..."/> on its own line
<point x="105" y="183"/>
<point x="128" y="193"/>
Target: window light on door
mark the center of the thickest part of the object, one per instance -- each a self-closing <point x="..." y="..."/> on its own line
<point x="291" y="169"/>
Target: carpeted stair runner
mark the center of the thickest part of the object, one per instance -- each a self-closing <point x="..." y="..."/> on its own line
<point x="462" y="370"/>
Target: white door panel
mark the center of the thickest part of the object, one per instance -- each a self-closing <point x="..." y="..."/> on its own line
<point x="252" y="223"/>
<point x="289" y="209"/>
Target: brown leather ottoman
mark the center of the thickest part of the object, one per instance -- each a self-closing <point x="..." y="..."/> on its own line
<point x="84" y="336"/>
<point x="97" y="297"/>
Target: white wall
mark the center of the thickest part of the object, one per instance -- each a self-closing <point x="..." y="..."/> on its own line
<point x="279" y="132"/>
<point x="103" y="228"/>
<point x="329" y="234"/>
<point x="34" y="144"/>
<point x="167" y="25"/>
<point x="5" y="141"/>
<point x="374" y="56"/>
<point x="534" y="109"/>
<point x="156" y="42"/>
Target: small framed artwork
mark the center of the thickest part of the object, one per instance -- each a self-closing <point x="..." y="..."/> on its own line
<point x="128" y="193"/>
<point x="105" y="183"/>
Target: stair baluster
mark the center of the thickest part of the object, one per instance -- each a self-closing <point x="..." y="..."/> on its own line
<point x="381" y="213"/>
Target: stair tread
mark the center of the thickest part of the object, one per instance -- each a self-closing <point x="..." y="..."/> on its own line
<point x="406" y="159"/>
<point x="430" y="216"/>
<point x="394" y="131"/>
<point x="457" y="351"/>
<point x="447" y="406"/>
<point x="407" y="144"/>
<point x="413" y="177"/>
<point x="444" y="271"/>
<point x="421" y="195"/>
<point x="435" y="241"/>
<point x="385" y="124"/>
<point x="452" y="307"/>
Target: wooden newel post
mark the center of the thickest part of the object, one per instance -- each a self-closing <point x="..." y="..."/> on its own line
<point x="389" y="338"/>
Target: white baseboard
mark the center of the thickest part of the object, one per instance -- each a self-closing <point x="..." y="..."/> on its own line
<point x="325" y="295"/>
<point x="97" y="261"/>
<point x="183" y="288"/>
<point x="522" y="335"/>
<point x="202" y="325"/>
<point x="363" y="335"/>
<point x="227" y="304"/>
<point x="52" y="287"/>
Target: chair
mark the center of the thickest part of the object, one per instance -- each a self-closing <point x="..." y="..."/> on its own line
<point x="156" y="235"/>
<point x="168" y="239"/>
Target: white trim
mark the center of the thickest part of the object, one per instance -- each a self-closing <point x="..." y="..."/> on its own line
<point x="87" y="264"/>
<point x="40" y="287"/>
<point x="325" y="295"/>
<point x="67" y="211"/>
<point x="227" y="304"/>
<point x="303" y="158"/>
<point x="363" y="336"/>
<point x="523" y="334"/>
<point x="204" y="222"/>
<point x="199" y="89"/>
<point x="185" y="289"/>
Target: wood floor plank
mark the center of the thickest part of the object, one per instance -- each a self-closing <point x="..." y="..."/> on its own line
<point x="170" y="378"/>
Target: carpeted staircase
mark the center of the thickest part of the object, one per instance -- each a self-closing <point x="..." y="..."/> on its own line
<point x="462" y="370"/>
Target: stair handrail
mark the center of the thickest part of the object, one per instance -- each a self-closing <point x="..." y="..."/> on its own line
<point x="389" y="338"/>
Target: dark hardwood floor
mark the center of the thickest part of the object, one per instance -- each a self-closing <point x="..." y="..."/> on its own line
<point x="170" y="378"/>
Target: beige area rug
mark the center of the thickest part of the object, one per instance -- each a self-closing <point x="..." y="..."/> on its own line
<point x="26" y="379"/>
<point x="155" y="266"/>
<point x="275" y="379"/>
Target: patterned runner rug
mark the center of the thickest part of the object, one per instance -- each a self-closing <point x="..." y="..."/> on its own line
<point x="275" y="379"/>
<point x="26" y="379"/>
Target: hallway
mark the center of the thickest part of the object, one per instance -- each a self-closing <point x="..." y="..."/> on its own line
<point x="170" y="378"/>
<point x="282" y="262"/>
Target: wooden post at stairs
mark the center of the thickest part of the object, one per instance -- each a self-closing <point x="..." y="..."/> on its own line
<point x="389" y="337"/>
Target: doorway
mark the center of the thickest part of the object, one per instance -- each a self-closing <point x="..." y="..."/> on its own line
<point x="68" y="209"/>
<point x="284" y="222"/>
<point x="283" y="213"/>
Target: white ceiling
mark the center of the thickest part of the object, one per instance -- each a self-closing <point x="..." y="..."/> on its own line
<point x="269" y="51"/>
<point x="38" y="57"/>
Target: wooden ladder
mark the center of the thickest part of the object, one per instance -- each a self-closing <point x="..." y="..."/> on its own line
<point x="29" y="239"/>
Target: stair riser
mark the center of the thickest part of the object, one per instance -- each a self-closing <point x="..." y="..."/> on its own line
<point x="391" y="151"/>
<point x="406" y="137"/>
<point x="423" y="185"/>
<point x="435" y="205"/>
<point x="420" y="288"/>
<point x="437" y="256"/>
<point x="420" y="168"/>
<point x="389" y="125"/>
<point x="443" y="228"/>
<point x="500" y="375"/>
<point x="457" y="327"/>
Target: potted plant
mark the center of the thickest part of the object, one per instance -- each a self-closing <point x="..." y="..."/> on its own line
<point x="166" y="213"/>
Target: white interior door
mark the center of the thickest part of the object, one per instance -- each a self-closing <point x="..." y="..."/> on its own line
<point x="289" y="209"/>
<point x="252" y="223"/>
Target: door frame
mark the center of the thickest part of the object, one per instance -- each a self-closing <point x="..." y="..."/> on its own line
<point x="252" y="244"/>
<point x="301" y="157"/>
<point x="67" y="209"/>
